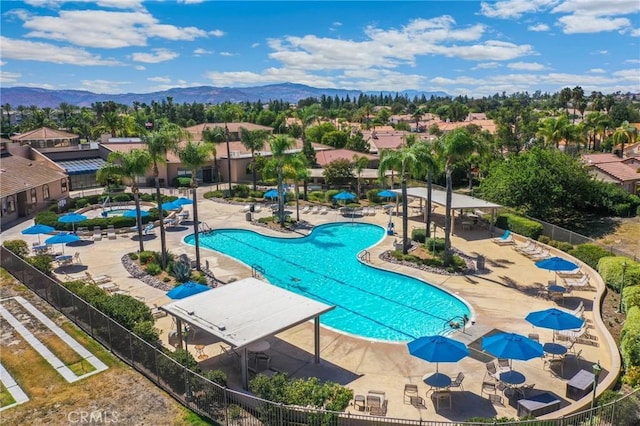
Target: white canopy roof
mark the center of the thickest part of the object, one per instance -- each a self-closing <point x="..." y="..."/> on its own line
<point x="245" y="311"/>
<point x="458" y="201"/>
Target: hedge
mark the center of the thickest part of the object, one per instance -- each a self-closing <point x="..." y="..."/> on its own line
<point x="589" y="254"/>
<point x="630" y="338"/>
<point x="519" y="225"/>
<point x="51" y="219"/>
<point x="610" y="268"/>
<point x="631" y="297"/>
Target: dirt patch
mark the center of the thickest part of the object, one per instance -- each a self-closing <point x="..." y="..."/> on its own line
<point x="118" y="395"/>
<point x="625" y="237"/>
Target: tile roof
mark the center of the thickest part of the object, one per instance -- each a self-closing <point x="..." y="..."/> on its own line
<point x="43" y="133"/>
<point x="233" y="127"/>
<point x="327" y="156"/>
<point x="600" y="158"/>
<point x="18" y="174"/>
<point x="621" y="171"/>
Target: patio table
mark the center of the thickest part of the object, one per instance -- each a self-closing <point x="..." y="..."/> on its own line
<point x="512" y="377"/>
<point x="554" y="348"/>
<point x="437" y="381"/>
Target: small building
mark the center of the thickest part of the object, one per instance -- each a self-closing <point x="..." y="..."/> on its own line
<point x="45" y="138"/>
<point x="611" y="168"/>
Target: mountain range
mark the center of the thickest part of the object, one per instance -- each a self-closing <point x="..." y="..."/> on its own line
<point x="287" y="92"/>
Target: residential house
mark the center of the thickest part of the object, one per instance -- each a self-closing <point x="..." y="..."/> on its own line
<point x="611" y="168"/>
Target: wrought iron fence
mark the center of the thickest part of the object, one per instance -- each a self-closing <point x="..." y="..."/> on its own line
<point x="227" y="406"/>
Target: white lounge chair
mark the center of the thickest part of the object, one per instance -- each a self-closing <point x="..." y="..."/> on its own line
<point x="577" y="282"/>
<point x="245" y="209"/>
<point x="505" y="239"/>
<point x="324" y="210"/>
<point x="315" y="210"/>
<point x="305" y="209"/>
<point x="111" y="232"/>
<point x="98" y="279"/>
<point x="97" y="233"/>
<point x="149" y="230"/>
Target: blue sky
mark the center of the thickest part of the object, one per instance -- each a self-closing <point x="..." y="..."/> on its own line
<point x="460" y="47"/>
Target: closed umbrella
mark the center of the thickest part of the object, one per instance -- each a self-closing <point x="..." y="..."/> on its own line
<point x="72" y="218"/>
<point x="37" y="230"/>
<point x="556" y="264"/>
<point x="554" y="319"/>
<point x="62" y="238"/>
<point x="187" y="289"/>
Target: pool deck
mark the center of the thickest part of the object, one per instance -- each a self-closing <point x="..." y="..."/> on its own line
<point x="500" y="298"/>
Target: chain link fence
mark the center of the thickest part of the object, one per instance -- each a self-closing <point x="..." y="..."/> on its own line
<point x="229" y="407"/>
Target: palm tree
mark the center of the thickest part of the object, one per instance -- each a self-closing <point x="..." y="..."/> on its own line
<point x="427" y="163"/>
<point x="253" y="141"/>
<point x="403" y="160"/>
<point x="279" y="145"/>
<point x="193" y="156"/>
<point x="554" y="130"/>
<point x="624" y="133"/>
<point x="214" y="136"/>
<point x="296" y="169"/>
<point x="159" y="143"/>
<point x="455" y="146"/>
<point x="360" y="162"/>
<point x="127" y="166"/>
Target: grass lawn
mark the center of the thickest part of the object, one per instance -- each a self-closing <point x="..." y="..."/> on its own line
<point x="5" y="397"/>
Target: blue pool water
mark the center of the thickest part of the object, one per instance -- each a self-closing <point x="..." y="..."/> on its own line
<point x="369" y="302"/>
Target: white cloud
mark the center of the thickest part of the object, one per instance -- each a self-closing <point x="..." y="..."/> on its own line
<point x="158" y="55"/>
<point x="635" y="32"/>
<point x="116" y="4"/>
<point x="538" y="27"/>
<point x="631" y="75"/>
<point x="526" y="66"/>
<point x="106" y="29"/>
<point x="217" y="33"/>
<point x="45" y="52"/>
<point x="632" y="61"/>
<point x="487" y="65"/>
<point x="200" y="51"/>
<point x="140" y="67"/>
<point x="600" y="52"/>
<point x="579" y="24"/>
<point x="254" y="45"/>
<point x="597" y="70"/>
<point x="598" y="7"/>
<point x="508" y="9"/>
<point x="159" y="79"/>
<point x="7" y="77"/>
<point x="3" y="63"/>
<point x="103" y="86"/>
<point x="227" y="54"/>
<point x="190" y="1"/>
<point x="591" y="16"/>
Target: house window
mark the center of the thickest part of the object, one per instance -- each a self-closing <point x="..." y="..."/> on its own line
<point x="34" y="196"/>
<point x="63" y="185"/>
<point x="8" y="204"/>
<point x="45" y="192"/>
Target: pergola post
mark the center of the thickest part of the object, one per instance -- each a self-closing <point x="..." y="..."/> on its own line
<point x="179" y="326"/>
<point x="316" y="338"/>
<point x="244" y="368"/>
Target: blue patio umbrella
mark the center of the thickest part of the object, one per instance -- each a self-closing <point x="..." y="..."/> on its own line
<point x="183" y="201"/>
<point x="37" y="230"/>
<point x="556" y="264"/>
<point x="72" y="218"/>
<point x="512" y="346"/>
<point x="554" y="319"/>
<point x="187" y="289"/>
<point x="62" y="238"/>
<point x="272" y="193"/>
<point x="387" y="194"/>
<point x="133" y="213"/>
<point x="344" y="196"/>
<point x="171" y="205"/>
<point x="437" y="349"/>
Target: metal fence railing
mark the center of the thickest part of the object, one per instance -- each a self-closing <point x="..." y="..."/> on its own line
<point x="227" y="406"/>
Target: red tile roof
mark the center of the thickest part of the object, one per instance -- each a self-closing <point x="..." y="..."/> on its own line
<point x="327" y="156"/>
<point x="43" y="133"/>
<point x="621" y="171"/>
<point x="600" y="158"/>
<point x="20" y="174"/>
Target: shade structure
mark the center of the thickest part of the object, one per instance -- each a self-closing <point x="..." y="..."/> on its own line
<point x="437" y="349"/>
<point x="272" y="193"/>
<point x="37" y="230"/>
<point x="554" y="319"/>
<point x="133" y="213"/>
<point x="556" y="264"/>
<point x="387" y="194"/>
<point x="344" y="196"/>
<point x="72" y="218"/>
<point x="62" y="238"/>
<point x="171" y="205"/>
<point x="512" y="346"/>
<point x="187" y="289"/>
<point x="183" y="201"/>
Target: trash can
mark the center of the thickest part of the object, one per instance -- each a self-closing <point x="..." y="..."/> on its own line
<point x="248" y="216"/>
<point x="480" y="262"/>
<point x="252" y="208"/>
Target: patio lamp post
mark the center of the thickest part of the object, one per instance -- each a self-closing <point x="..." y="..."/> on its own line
<point x="624" y="269"/>
<point x="596" y="372"/>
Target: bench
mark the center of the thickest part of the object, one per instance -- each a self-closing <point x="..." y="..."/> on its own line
<point x="538" y="405"/>
<point x="580" y="385"/>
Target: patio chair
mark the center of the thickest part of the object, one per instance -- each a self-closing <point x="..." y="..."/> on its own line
<point x="503" y="365"/>
<point x="488" y="387"/>
<point x="229" y="351"/>
<point x="534" y="336"/>
<point x="111" y="232"/>
<point x="76" y="258"/>
<point x="245" y="208"/>
<point x="374" y="403"/>
<point x="505" y="239"/>
<point x="576" y="357"/>
<point x="457" y="382"/>
<point x="491" y="369"/>
<point x="555" y="363"/>
<point x="410" y="391"/>
<point x="526" y="246"/>
<point x="98" y="279"/>
<point x="97" y="233"/>
<point x="522" y="390"/>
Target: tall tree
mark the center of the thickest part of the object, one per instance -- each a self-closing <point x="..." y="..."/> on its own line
<point x="127" y="166"/>
<point x="159" y="143"/>
<point x="296" y="169"/>
<point x="624" y="133"/>
<point x="553" y="130"/>
<point x="452" y="148"/>
<point x="193" y="156"/>
<point x="214" y="136"/>
<point x="253" y="140"/>
<point x="359" y="163"/>
<point x="279" y="145"/>
<point x="428" y="166"/>
<point x="577" y="94"/>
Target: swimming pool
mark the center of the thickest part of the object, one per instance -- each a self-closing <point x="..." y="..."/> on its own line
<point x="370" y="302"/>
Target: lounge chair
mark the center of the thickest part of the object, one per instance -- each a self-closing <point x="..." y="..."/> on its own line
<point x="531" y="249"/>
<point x="324" y="210"/>
<point x="410" y="391"/>
<point x="97" y="233"/>
<point x="372" y="211"/>
<point x="540" y="255"/>
<point x="148" y="230"/>
<point x="245" y="209"/>
<point x="528" y="245"/>
<point x="109" y="286"/>
<point x="575" y="274"/>
<point x="577" y="282"/>
<point x="77" y="277"/>
<point x="315" y="210"/>
<point x="505" y="239"/>
<point x="305" y="209"/>
<point x="111" y="232"/>
<point x="256" y="209"/>
<point x="98" y="279"/>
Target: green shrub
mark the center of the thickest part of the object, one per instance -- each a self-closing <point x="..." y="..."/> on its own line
<point x="372" y="196"/>
<point x="18" y="247"/>
<point x="610" y="268"/>
<point x="565" y="247"/>
<point x="436" y="244"/>
<point x="520" y="225"/>
<point x="153" y="269"/>
<point x="241" y="191"/>
<point x="632" y="376"/>
<point x="328" y="196"/>
<point x="41" y="262"/>
<point x="419" y="235"/>
<point x="630" y="338"/>
<point x="216" y="376"/>
<point x="82" y="202"/>
<point x="544" y="239"/>
<point x="166" y="279"/>
<point x="199" y="277"/>
<point x="133" y="256"/>
<point x="46" y="218"/>
<point x="182" y="181"/>
<point x="622" y="210"/>
<point x="146" y="257"/>
<point x="149" y="198"/>
<point x="181" y="271"/>
<point x="256" y="194"/>
<point x="213" y="194"/>
<point x="589" y="254"/>
<point x="631" y="296"/>
<point x="121" y="198"/>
